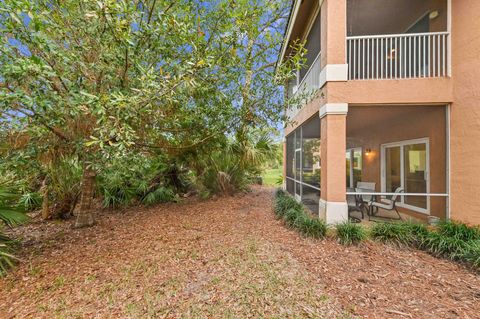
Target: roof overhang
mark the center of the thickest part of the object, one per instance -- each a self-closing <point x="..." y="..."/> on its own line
<point x="290" y="26"/>
<point x="291" y="22"/>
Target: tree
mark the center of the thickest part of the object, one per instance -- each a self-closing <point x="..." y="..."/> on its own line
<point x="96" y="80"/>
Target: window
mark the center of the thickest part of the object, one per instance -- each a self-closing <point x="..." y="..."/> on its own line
<point x="406" y="164"/>
<point x="354" y="166"/>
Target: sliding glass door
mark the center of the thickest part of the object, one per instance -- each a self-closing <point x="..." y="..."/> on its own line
<point x="406" y="164"/>
<point x="354" y="166"/>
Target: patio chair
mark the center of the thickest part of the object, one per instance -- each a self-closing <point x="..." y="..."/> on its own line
<point x="386" y="204"/>
<point x="353" y="206"/>
<point x="363" y="200"/>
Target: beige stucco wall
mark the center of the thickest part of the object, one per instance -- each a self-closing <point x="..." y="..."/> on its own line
<point x="372" y="126"/>
<point x="465" y="111"/>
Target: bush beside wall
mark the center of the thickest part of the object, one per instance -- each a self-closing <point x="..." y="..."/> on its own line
<point x="452" y="240"/>
<point x="295" y="216"/>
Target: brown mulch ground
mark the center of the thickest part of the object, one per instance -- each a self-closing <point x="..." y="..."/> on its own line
<point x="223" y="258"/>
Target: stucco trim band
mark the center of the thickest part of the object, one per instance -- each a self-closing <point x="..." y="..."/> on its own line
<point x="333" y="108"/>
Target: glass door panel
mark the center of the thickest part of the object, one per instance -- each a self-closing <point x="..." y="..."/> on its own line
<point x="392" y="169"/>
<point x="415" y="174"/>
<point x="349" y="167"/>
<point x="357" y="166"/>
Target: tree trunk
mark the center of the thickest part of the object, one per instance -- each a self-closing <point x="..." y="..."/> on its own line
<point x="45" y="204"/>
<point x="85" y="215"/>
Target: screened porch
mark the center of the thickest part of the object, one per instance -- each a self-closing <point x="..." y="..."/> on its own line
<point x="389" y="147"/>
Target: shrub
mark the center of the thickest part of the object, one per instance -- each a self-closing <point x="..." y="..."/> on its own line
<point x="280" y="193"/>
<point x="311" y="227"/>
<point x="294" y="215"/>
<point x="402" y="234"/>
<point x="472" y="253"/>
<point x="349" y="233"/>
<point x="459" y="231"/>
<point x="283" y="203"/>
<point x="159" y="195"/>
<point x="441" y="245"/>
<point x="291" y="216"/>
<point x="10" y="216"/>
<point x="30" y="200"/>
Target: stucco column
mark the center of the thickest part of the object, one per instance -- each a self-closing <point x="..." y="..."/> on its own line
<point x="333" y="32"/>
<point x="333" y="206"/>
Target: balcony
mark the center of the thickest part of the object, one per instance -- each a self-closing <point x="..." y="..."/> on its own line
<point x="397" y="39"/>
<point x="308" y="85"/>
<point x="397" y="56"/>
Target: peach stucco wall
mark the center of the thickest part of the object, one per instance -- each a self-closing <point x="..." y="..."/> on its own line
<point x="334" y="27"/>
<point x="465" y="111"/>
<point x="409" y="91"/>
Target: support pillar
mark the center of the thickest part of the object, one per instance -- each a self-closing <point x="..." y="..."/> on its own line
<point x="333" y="205"/>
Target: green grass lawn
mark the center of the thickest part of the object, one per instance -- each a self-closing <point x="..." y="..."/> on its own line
<point x="271" y="176"/>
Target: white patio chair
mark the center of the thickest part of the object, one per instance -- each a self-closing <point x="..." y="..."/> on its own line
<point x="353" y="206"/>
<point x="363" y="200"/>
<point x="386" y="204"/>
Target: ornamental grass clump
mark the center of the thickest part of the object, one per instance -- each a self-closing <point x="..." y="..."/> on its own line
<point x="350" y="233"/>
<point x="455" y="241"/>
<point x="472" y="253"/>
<point x="401" y="234"/>
<point x="310" y="226"/>
<point x="459" y="231"/>
<point x="295" y="216"/>
<point x="283" y="203"/>
<point x="439" y="244"/>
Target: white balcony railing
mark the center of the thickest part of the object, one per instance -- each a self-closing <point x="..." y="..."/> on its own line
<point x="311" y="80"/>
<point x="309" y="85"/>
<point x="398" y="56"/>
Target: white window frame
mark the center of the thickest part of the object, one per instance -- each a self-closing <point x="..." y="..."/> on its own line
<point x="352" y="151"/>
<point x="402" y="144"/>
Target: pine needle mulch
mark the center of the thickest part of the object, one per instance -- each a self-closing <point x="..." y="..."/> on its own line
<point x="223" y="258"/>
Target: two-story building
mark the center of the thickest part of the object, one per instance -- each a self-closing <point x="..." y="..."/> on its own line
<point x="396" y="104"/>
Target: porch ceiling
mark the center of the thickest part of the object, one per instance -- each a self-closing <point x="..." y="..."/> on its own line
<point x="364" y="118"/>
<point x="368" y="17"/>
<point x="305" y="11"/>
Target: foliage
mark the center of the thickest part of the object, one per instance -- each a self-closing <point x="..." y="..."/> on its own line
<point x="159" y="195"/>
<point x="350" y="233"/>
<point x="64" y="184"/>
<point x="458" y="230"/>
<point x="445" y="246"/>
<point x="402" y="234"/>
<point x="452" y="240"/>
<point x="135" y="178"/>
<point x="284" y="202"/>
<point x="236" y="163"/>
<point x="95" y="81"/>
<point x="30" y="200"/>
<point x="10" y="216"/>
<point x="472" y="253"/>
<point x="295" y="216"/>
